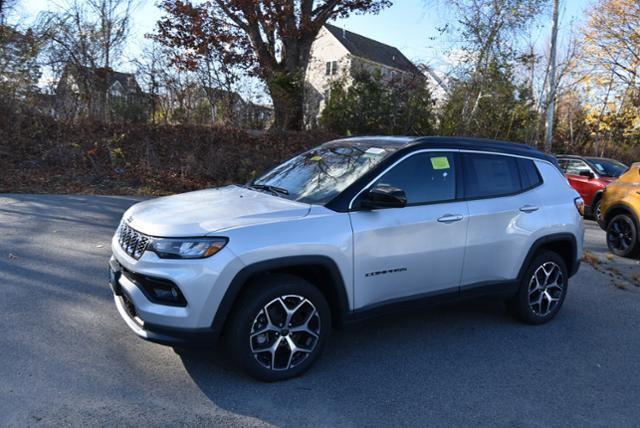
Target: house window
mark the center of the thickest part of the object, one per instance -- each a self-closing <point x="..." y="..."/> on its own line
<point x="331" y="68"/>
<point x="116" y="90"/>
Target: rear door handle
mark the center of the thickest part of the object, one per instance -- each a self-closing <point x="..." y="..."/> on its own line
<point x="529" y="209"/>
<point x="450" y="218"/>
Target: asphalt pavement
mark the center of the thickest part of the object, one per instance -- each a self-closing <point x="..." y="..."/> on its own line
<point x="66" y="357"/>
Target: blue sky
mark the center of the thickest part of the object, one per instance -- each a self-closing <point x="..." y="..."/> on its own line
<point x="409" y="25"/>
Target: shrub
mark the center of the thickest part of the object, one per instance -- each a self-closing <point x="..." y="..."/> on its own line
<point x="40" y="154"/>
<point x="373" y="105"/>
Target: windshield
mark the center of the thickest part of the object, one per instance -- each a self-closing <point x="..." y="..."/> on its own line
<point x="319" y="175"/>
<point x="608" y="167"/>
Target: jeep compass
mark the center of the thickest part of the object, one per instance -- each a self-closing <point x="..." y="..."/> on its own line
<point x="347" y="230"/>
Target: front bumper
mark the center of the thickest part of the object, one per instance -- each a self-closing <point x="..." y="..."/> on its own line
<point x="202" y="282"/>
<point x="204" y="337"/>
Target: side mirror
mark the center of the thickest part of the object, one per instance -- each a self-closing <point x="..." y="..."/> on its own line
<point x="384" y="197"/>
<point x="585" y="173"/>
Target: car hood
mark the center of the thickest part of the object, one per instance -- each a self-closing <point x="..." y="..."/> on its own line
<point x="209" y="211"/>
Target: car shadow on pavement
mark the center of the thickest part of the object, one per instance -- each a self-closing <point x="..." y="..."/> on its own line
<point x="93" y="211"/>
<point x="389" y="360"/>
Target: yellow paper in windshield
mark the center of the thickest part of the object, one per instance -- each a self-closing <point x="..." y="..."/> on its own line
<point x="316" y="158"/>
<point x="440" y="163"/>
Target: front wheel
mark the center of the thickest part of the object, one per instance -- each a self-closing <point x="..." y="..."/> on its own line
<point x="597" y="211"/>
<point x="622" y="236"/>
<point x="542" y="290"/>
<point x="279" y="327"/>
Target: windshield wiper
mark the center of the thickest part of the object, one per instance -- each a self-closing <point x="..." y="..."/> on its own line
<point x="273" y="189"/>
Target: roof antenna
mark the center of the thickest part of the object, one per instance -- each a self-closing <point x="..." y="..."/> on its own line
<point x="344" y="32"/>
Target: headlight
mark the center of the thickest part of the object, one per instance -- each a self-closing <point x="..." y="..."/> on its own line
<point x="187" y="248"/>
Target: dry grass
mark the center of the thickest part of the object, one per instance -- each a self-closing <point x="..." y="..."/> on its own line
<point x="41" y="155"/>
<point x="591" y="259"/>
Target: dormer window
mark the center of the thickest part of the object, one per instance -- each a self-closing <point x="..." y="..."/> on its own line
<point x="73" y="85"/>
<point x="331" y="68"/>
<point x="116" y="90"/>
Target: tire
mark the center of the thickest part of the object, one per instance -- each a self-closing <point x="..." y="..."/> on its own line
<point x="542" y="290"/>
<point x="265" y="346"/>
<point x="622" y="236"/>
<point x="595" y="210"/>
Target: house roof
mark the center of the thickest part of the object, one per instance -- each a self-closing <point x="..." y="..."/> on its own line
<point x="372" y="50"/>
<point x="105" y="77"/>
<point x="223" y="93"/>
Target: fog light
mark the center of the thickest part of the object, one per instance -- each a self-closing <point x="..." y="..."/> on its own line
<point x="166" y="293"/>
<point x="158" y="290"/>
<point x="163" y="294"/>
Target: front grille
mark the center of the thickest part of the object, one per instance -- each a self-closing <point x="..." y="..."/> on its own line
<point x="132" y="242"/>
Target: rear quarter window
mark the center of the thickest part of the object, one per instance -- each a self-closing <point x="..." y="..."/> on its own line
<point x="529" y="174"/>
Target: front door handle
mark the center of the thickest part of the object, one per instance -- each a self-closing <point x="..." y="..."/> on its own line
<point x="450" y="218"/>
<point x="529" y="209"/>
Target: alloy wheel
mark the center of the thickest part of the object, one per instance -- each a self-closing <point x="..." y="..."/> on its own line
<point x="620" y="234"/>
<point x="285" y="332"/>
<point x="545" y="289"/>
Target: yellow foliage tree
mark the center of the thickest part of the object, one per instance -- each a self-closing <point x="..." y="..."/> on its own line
<point x="611" y="56"/>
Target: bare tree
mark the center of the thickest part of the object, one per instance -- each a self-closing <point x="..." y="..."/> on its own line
<point x="271" y="38"/>
<point x="84" y="37"/>
<point x="71" y="50"/>
<point x="5" y="8"/>
<point x="113" y="20"/>
<point x="151" y="69"/>
<point x="551" y="92"/>
<point x="489" y="32"/>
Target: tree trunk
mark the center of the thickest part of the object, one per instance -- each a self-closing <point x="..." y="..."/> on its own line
<point x="288" y="103"/>
<point x="551" y="96"/>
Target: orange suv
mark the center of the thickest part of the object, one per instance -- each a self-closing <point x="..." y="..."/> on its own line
<point x="620" y="213"/>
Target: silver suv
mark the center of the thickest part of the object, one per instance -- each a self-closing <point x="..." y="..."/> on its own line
<point x="350" y="229"/>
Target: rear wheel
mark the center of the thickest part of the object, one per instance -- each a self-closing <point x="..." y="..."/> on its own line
<point x="279" y="327"/>
<point x="622" y="236"/>
<point x="542" y="290"/>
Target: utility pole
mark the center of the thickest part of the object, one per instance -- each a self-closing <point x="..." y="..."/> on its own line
<point x="551" y="92"/>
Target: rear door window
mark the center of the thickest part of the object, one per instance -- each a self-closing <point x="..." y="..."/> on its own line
<point x="490" y="176"/>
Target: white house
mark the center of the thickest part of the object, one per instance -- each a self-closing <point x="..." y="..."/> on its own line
<point x="339" y="54"/>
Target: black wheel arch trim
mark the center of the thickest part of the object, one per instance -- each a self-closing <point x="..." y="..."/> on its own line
<point x="597" y="196"/>
<point x="240" y="280"/>
<point x="609" y="216"/>
<point x="550" y="239"/>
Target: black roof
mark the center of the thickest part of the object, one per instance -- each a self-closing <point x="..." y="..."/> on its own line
<point x="372" y="50"/>
<point x="479" y="144"/>
<point x="103" y="77"/>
